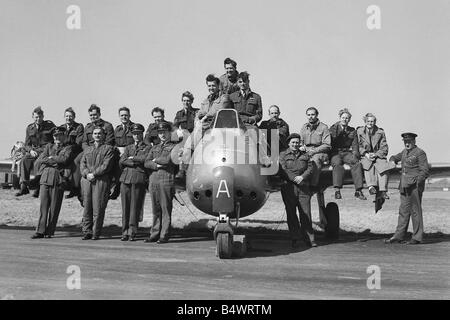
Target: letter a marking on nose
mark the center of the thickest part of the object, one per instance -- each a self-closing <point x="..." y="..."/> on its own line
<point x="220" y="190"/>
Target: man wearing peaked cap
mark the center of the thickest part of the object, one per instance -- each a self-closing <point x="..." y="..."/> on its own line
<point x="53" y="161"/>
<point x="415" y="170"/>
<point x="133" y="182"/>
<point x="38" y="134"/>
<point x="162" y="187"/>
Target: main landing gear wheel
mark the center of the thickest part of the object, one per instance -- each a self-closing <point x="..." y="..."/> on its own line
<point x="332" y="215"/>
<point x="224" y="245"/>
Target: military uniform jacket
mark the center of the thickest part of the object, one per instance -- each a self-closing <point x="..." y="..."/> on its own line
<point x="36" y="138"/>
<point x="295" y="164"/>
<point x="123" y="135"/>
<point x="249" y="106"/>
<point x="161" y="154"/>
<point x="98" y="161"/>
<point x="52" y="169"/>
<point x="210" y="107"/>
<point x="415" y="168"/>
<point x="375" y="143"/>
<point x="151" y="135"/>
<point x="343" y="140"/>
<point x="133" y="169"/>
<point x="88" y="140"/>
<point x="227" y="86"/>
<point x="316" y="137"/>
<point x="185" y="118"/>
<point x="281" y="126"/>
<point x="74" y="134"/>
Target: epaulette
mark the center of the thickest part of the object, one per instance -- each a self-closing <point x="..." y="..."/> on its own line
<point x="49" y="122"/>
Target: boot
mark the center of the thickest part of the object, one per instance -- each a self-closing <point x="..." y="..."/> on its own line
<point x="23" y="190"/>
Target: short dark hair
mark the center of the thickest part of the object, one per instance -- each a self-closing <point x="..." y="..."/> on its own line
<point x="158" y="109"/>
<point x="70" y="110"/>
<point x="211" y="77"/>
<point x="94" y="107"/>
<point x="124" y="109"/>
<point x="101" y="129"/>
<point x="230" y="61"/>
<point x="38" y="110"/>
<point x="312" y="108"/>
<point x="187" y="94"/>
<point x="244" y="75"/>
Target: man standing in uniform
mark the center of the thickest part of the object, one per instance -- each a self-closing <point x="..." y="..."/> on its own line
<point x="296" y="171"/>
<point x="316" y="141"/>
<point x="122" y="137"/>
<point x="276" y="123"/>
<point x="228" y="81"/>
<point x="247" y="103"/>
<point x="74" y="137"/>
<point x="53" y="161"/>
<point x="134" y="181"/>
<point x="96" y="165"/>
<point x="162" y="188"/>
<point x="415" y="170"/>
<point x="38" y="134"/>
<point x="345" y="149"/>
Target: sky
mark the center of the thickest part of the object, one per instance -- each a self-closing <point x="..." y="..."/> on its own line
<point x="143" y="54"/>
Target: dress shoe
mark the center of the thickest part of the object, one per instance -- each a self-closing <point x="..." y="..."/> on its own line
<point x="132" y="238"/>
<point x="23" y="190"/>
<point x="87" y="236"/>
<point x="160" y="241"/>
<point x="95" y="237"/>
<point x="37" y="236"/>
<point x="35" y="193"/>
<point x="414" y="241"/>
<point x="71" y="195"/>
<point x="372" y="190"/>
<point x="384" y="195"/>
<point x="337" y="194"/>
<point x="48" y="236"/>
<point x="313" y="244"/>
<point x="360" y="195"/>
<point x="124" y="238"/>
<point x="392" y="240"/>
<point x="150" y="240"/>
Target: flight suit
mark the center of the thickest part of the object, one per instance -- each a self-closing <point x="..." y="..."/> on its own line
<point x="375" y="142"/>
<point x="415" y="170"/>
<point x="317" y="140"/>
<point x="297" y="196"/>
<point x="36" y="137"/>
<point x="162" y="188"/>
<point x="345" y="149"/>
<point x="134" y="181"/>
<point x="99" y="161"/>
<point x="283" y="132"/>
<point x="249" y="106"/>
<point x="74" y="134"/>
<point x="88" y="140"/>
<point x="228" y="85"/>
<point x="122" y="138"/>
<point x="53" y="161"/>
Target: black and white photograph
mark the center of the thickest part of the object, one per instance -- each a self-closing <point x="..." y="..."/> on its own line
<point x="224" y="156"/>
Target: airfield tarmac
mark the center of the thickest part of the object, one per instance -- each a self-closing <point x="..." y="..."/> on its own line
<point x="187" y="268"/>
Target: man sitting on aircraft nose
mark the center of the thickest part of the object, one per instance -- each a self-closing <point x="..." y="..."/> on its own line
<point x="344" y="149"/>
<point x="296" y="169"/>
<point x="247" y="103"/>
<point x="316" y="141"/>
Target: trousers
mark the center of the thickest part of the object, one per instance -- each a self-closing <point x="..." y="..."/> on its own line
<point x="95" y="199"/>
<point x="51" y="200"/>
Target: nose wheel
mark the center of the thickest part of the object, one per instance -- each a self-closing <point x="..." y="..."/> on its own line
<point x="224" y="245"/>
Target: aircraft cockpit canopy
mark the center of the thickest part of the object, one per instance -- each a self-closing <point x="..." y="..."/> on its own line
<point x="226" y="118"/>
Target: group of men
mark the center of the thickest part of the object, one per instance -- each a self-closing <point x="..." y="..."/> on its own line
<point x="88" y="159"/>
